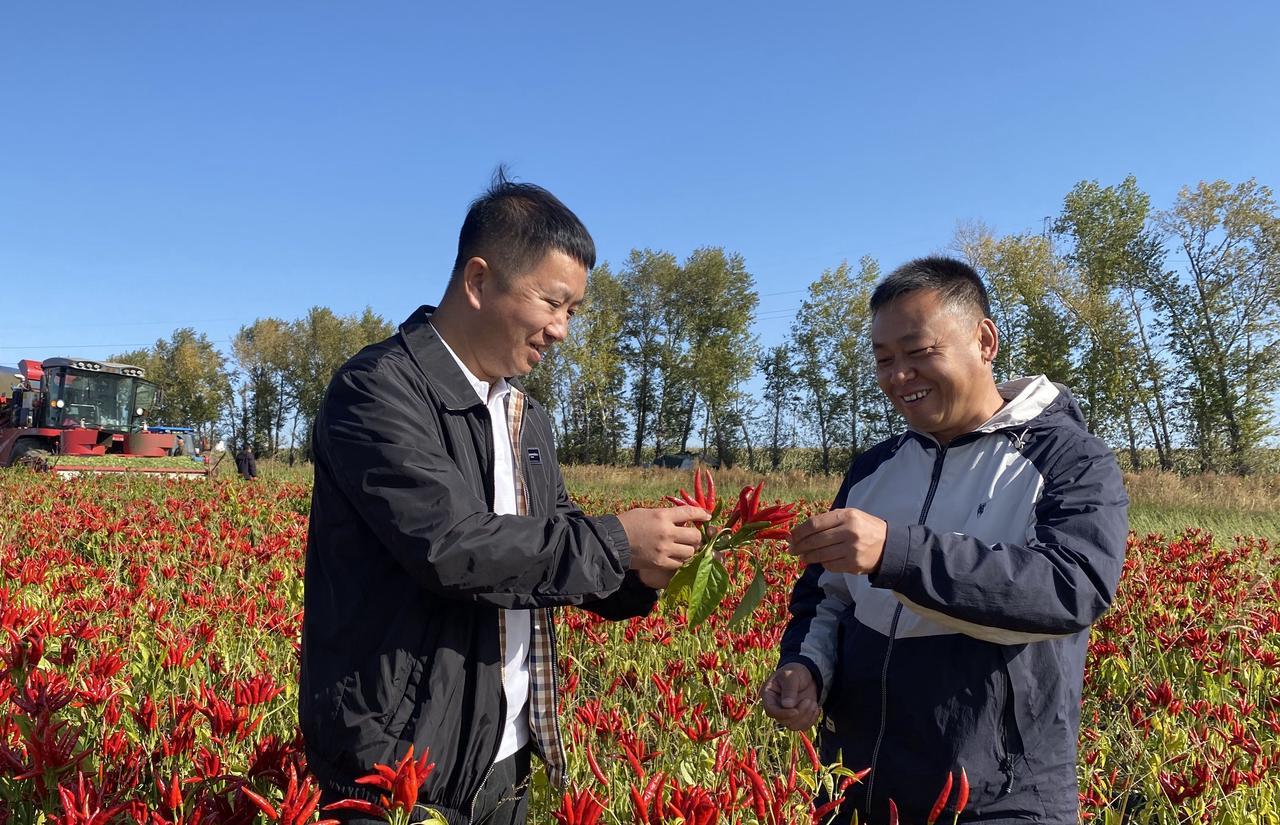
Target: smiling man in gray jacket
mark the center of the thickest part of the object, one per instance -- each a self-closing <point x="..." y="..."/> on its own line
<point x="441" y="534"/>
<point x="942" y="620"/>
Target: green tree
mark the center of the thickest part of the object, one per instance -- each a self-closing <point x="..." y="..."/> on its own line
<point x="643" y="336"/>
<point x="818" y="337"/>
<point x="595" y="366"/>
<point x="780" y="394"/>
<point x="1223" y="313"/>
<point x="262" y="355"/>
<point x="719" y="301"/>
<point x="193" y="381"/>
<point x="1112" y="252"/>
<point x="319" y="344"/>
<point x="1022" y="275"/>
<point x="867" y="422"/>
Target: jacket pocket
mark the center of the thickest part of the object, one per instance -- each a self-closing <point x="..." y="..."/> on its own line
<point x="1013" y="790"/>
<point x="409" y="687"/>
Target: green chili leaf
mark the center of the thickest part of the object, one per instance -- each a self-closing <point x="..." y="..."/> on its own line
<point x="752" y="597"/>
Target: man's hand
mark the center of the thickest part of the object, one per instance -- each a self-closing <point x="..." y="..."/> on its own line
<point x="660" y="542"/>
<point x="791" y="697"/>
<point x="842" y="541"/>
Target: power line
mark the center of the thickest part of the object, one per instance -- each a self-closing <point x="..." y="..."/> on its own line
<point x="89" y="346"/>
<point x="178" y="323"/>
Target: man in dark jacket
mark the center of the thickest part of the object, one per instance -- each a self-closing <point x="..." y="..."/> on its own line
<point x="441" y="534"/>
<point x="943" y="617"/>
<point x="246" y="463"/>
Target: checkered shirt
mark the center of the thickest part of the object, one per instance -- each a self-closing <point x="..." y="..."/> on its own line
<point x="544" y="726"/>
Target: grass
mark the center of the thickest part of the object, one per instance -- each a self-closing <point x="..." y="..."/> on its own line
<point x="116" y="460"/>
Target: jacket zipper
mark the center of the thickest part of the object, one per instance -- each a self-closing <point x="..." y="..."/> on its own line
<point x="483" y="782"/>
<point x="934" y="478"/>
<point x="1007" y="717"/>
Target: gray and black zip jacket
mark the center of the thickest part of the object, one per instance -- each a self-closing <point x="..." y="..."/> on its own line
<point x="408" y="568"/>
<point x="966" y="648"/>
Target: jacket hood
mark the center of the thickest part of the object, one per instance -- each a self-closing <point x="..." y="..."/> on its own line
<point x="1034" y="401"/>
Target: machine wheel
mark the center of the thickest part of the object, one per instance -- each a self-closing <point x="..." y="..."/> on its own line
<point x="30" y="452"/>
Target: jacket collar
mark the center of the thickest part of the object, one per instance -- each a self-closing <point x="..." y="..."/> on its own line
<point x="1026" y="399"/>
<point x="442" y="371"/>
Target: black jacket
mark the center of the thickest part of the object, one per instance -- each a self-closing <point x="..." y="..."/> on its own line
<point x="407" y="568"/>
<point x="246" y="464"/>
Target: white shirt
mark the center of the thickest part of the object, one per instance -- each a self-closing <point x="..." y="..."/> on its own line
<point x="515" y="665"/>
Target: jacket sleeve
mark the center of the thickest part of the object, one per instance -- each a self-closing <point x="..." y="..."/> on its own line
<point x="1057" y="584"/>
<point x="817" y="603"/>
<point x="391" y="465"/>
<point x="634" y="598"/>
<point x="818" y="600"/>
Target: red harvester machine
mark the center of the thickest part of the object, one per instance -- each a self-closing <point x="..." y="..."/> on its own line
<point x="76" y="415"/>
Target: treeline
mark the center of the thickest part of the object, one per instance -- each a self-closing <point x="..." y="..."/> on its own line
<point x="268" y="392"/>
<point x="1166" y="324"/>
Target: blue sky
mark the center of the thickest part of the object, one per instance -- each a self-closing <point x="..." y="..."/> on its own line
<point x="166" y="164"/>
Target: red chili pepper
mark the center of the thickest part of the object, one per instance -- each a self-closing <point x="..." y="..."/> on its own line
<point x="655" y="784"/>
<point x="263" y="805"/>
<point x="361" y="806"/>
<point x="759" y="792"/>
<point x="595" y="767"/>
<point x="824" y="809"/>
<point x="640" y="805"/>
<point x="172" y="794"/>
<point x="941" y="803"/>
<point x="962" y="798"/>
<point x="893" y="809"/>
<point x="813" y="754"/>
<point x="722" y="755"/>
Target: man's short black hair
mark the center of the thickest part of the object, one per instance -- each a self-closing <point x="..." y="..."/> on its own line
<point x="957" y="283"/>
<point x="514" y="225"/>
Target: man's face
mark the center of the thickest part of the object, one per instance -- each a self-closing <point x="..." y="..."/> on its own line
<point x="934" y="363"/>
<point x="521" y="321"/>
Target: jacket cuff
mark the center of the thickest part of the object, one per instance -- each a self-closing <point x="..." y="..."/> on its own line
<point x="796" y="659"/>
<point x="893" y="563"/>
<point x="612" y="528"/>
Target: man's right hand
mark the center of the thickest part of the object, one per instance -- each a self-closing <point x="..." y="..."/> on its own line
<point x="660" y="541"/>
<point x="791" y="697"/>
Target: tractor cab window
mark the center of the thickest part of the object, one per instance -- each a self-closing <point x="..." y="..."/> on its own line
<point x="144" y="399"/>
<point x="90" y="399"/>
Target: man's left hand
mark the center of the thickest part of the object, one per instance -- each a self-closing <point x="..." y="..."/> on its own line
<point x="843" y="541"/>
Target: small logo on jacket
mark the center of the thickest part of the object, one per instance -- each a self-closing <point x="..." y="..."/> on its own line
<point x="982" y="508"/>
<point x="535" y="457"/>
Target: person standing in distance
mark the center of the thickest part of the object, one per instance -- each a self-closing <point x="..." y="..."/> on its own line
<point x="442" y="537"/>
<point x="246" y="464"/>
<point x="943" y="617"/>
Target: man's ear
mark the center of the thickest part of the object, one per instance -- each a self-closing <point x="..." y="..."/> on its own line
<point x="988" y="340"/>
<point x="477" y="281"/>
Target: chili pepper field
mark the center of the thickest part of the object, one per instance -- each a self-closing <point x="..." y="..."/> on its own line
<point x="148" y="659"/>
